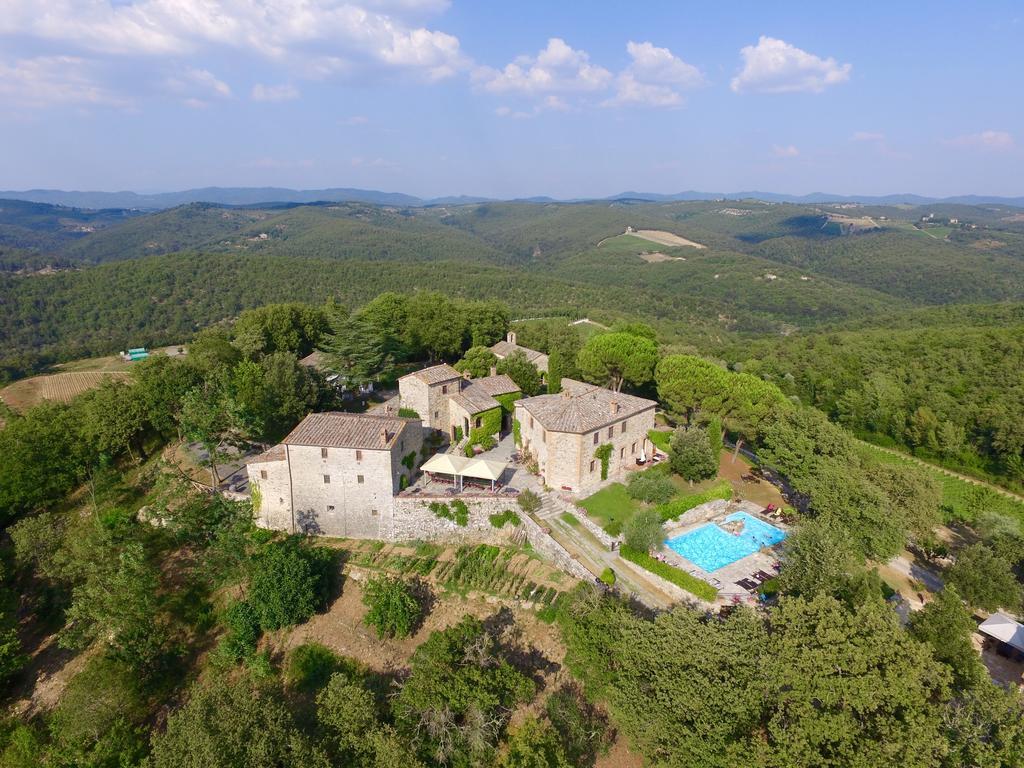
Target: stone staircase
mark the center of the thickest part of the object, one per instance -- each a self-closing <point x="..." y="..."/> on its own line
<point x="550" y="506"/>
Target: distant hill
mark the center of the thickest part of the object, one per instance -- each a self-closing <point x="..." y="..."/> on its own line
<point x="821" y="197"/>
<point x="259" y="196"/>
<point x="243" y="196"/>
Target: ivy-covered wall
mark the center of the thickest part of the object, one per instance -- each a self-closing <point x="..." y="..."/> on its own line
<point x="508" y="402"/>
<point x="490" y="424"/>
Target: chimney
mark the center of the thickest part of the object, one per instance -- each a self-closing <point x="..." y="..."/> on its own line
<point x="384" y="435"/>
<point x="494" y="370"/>
<point x="615" y="406"/>
<point x="466" y="375"/>
<point x="511" y="337"/>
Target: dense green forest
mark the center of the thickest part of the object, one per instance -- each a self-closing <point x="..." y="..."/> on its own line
<point x="790" y="291"/>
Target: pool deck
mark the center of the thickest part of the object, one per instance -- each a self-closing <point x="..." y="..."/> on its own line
<point x="724" y="578"/>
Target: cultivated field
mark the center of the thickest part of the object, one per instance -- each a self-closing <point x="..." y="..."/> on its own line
<point x="666" y="238"/>
<point x="59" y="387"/>
<point x="631" y="244"/>
<point x="658" y="256"/>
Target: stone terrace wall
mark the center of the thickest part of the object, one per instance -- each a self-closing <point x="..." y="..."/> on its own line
<point x="599" y="533"/>
<point x="554" y="551"/>
<point x="413" y="520"/>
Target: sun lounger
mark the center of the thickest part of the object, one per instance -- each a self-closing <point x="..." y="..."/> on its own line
<point x="762" y="576"/>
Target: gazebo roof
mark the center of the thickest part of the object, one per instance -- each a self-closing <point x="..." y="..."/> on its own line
<point x="485" y="470"/>
<point x="452" y="464"/>
<point x="445" y="463"/>
<point x="1005" y="629"/>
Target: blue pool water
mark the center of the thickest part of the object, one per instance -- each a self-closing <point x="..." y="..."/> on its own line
<point x="711" y="547"/>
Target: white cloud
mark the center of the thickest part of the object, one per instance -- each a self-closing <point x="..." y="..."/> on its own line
<point x="289" y="31"/>
<point x="995" y="140"/>
<point x="354" y="120"/>
<point x="867" y="136"/>
<point x="286" y="92"/>
<point x="196" y="86"/>
<point x="654" y="78"/>
<point x="629" y="90"/>
<point x="659" y="65"/>
<point x="775" y="66"/>
<point x="551" y="103"/>
<point x="557" y="68"/>
<point x="785" y="151"/>
<point x="47" y="81"/>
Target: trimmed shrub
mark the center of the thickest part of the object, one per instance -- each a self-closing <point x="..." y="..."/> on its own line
<point x="407" y="413"/>
<point x="608" y="577"/>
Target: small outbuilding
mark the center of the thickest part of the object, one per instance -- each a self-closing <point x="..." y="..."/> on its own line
<point x="1007" y="632"/>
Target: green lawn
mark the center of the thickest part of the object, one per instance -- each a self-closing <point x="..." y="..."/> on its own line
<point x="611" y="506"/>
<point x="660" y="439"/>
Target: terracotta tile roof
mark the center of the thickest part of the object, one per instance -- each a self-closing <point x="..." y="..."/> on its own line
<point x="582" y="408"/>
<point x="474" y="400"/>
<point x="273" y="454"/>
<point x="436" y="374"/>
<point x="496" y="385"/>
<point x="505" y="348"/>
<point x="336" y="429"/>
<point x="314" y="359"/>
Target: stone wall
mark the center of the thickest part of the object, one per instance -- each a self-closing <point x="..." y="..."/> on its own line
<point x="555" y="552"/>
<point x="667" y="586"/>
<point x="270" y="481"/>
<point x="415" y="395"/>
<point x="413" y="520"/>
<point x="599" y="533"/>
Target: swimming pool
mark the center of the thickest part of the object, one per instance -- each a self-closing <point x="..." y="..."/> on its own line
<point x="711" y="547"/>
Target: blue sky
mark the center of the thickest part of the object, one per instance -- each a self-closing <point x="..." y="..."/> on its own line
<point x="513" y="99"/>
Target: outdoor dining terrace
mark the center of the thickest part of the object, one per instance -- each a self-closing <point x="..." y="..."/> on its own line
<point x="448" y="474"/>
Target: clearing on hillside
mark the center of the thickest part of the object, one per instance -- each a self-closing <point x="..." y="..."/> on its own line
<point x="658" y="256"/>
<point x="59" y="387"/>
<point x="631" y="244"/>
<point x="664" y="238"/>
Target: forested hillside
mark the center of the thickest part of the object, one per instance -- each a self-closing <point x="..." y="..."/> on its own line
<point x="745" y="280"/>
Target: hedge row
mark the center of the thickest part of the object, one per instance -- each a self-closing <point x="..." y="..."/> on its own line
<point x="673" y="509"/>
<point x="681" y="579"/>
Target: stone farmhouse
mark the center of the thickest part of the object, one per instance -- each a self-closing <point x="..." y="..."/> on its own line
<point x="566" y="432"/>
<point x="336" y="473"/>
<point x="457" y="405"/>
<point x="509" y="346"/>
<point x="356" y="475"/>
